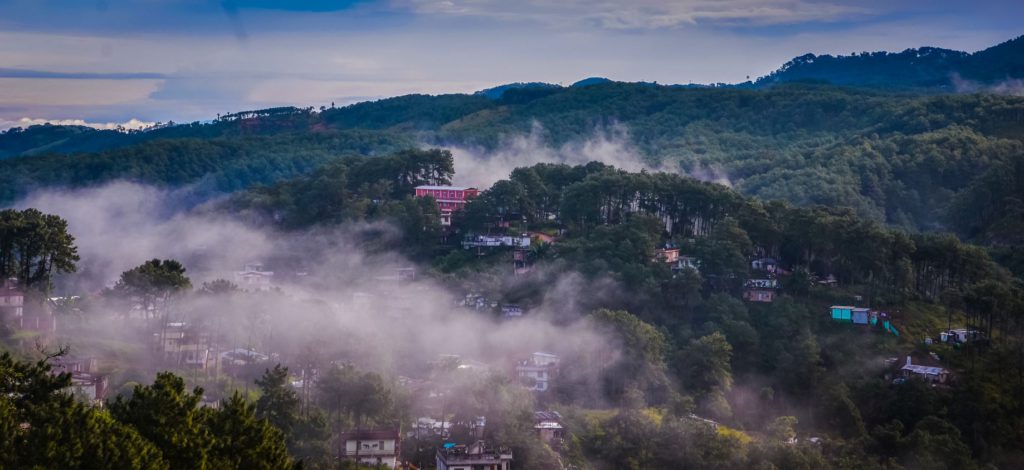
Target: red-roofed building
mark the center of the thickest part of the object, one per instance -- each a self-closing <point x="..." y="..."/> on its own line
<point x="449" y="198"/>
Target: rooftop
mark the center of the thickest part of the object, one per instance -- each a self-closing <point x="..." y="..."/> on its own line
<point x="370" y="435"/>
<point x="445" y="188"/>
<point x="924" y="370"/>
<point x="478" y="452"/>
<point x="547" y="416"/>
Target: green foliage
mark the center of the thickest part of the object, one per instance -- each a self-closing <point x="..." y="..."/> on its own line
<point x="243" y="440"/>
<point x="189" y="436"/>
<point x="44" y="427"/>
<point x="642" y="364"/>
<point x="278" y="403"/>
<point x="353" y="397"/>
<point x="221" y="164"/>
<point x="705" y="365"/>
<point x="169" y="417"/>
<point x="922" y="68"/>
<point x="152" y="285"/>
<point x="358" y="189"/>
<point x="34" y="247"/>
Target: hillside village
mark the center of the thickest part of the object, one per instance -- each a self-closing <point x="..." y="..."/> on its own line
<point x="700" y="283"/>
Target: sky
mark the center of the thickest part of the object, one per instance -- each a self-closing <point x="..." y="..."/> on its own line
<point x="111" y="62"/>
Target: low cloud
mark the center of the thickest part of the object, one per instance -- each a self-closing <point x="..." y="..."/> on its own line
<point x="336" y="297"/>
<point x="482" y="167"/>
<point x="1010" y="86"/>
<point x="27" y="121"/>
<point x="26" y="73"/>
<point x="645" y="14"/>
<point x="611" y="145"/>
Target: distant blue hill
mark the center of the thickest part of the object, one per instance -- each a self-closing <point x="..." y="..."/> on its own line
<point x="926" y="68"/>
<point x="590" y="81"/>
<point x="498" y="92"/>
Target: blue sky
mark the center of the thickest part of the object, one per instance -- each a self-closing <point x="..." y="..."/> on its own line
<point x="182" y="60"/>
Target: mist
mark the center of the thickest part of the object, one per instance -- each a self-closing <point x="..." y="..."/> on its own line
<point x="1010" y="86"/>
<point x="332" y="297"/>
<point x="611" y="145"/>
<point x="482" y="167"/>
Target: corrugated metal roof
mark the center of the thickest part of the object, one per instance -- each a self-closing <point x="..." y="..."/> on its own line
<point x="926" y="370"/>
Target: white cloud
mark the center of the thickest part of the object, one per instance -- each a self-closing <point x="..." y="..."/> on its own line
<point x="26" y="121"/>
<point x="644" y="14"/>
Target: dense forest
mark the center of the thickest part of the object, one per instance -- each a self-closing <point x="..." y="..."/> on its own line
<point x="780" y="383"/>
<point x="692" y="305"/>
<point x="695" y="347"/>
<point x="922" y="69"/>
<point x="920" y="163"/>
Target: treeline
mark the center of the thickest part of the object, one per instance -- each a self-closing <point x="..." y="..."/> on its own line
<point x="34" y="247"/>
<point x="927" y="68"/>
<point x="158" y="426"/>
<point x="686" y="212"/>
<point x="899" y="159"/>
<point x="222" y="165"/>
<point x="358" y="189"/>
<point x="747" y="364"/>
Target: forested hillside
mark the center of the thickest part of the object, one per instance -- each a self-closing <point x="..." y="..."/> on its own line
<point x="221" y="164"/>
<point x="775" y="369"/>
<point x="925" y="68"/>
<point x="895" y="158"/>
<point x="920" y="162"/>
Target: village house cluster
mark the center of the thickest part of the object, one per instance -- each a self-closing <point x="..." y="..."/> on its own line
<point x="462" y="442"/>
<point x="37" y="319"/>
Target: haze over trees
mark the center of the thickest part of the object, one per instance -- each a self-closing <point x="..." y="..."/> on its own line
<point x="907" y="202"/>
<point x="34" y="247"/>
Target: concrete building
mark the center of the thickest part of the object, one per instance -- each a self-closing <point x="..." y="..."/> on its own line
<point x="254" y="277"/>
<point x="855" y="315"/>
<point x="760" y="290"/>
<point x="959" y="335"/>
<point x="183" y="345"/>
<point x="768" y="265"/>
<point x="476" y="456"/>
<point x="929" y="373"/>
<point x="86" y="381"/>
<point x="686" y="262"/>
<point x="495" y="241"/>
<point x="374" y="448"/>
<point x="758" y="295"/>
<point x="449" y="199"/>
<point x="548" y="425"/>
<point x="427" y="427"/>
<point x="511" y="311"/>
<point x="538" y="371"/>
<point x="12" y="303"/>
<point x="667" y="254"/>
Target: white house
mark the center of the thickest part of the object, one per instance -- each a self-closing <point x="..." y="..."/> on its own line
<point x="930" y="374"/>
<point x="374" y="448"/>
<point x="254" y="277"/>
<point x="12" y="303"/>
<point x="538" y="370"/>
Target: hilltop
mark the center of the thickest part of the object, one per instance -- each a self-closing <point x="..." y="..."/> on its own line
<point x="926" y="68"/>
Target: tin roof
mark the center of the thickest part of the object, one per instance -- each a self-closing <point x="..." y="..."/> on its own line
<point x="924" y="370"/>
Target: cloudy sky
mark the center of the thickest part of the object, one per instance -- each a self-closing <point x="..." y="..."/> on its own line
<point x="109" y="61"/>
